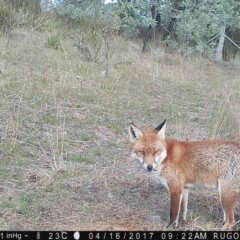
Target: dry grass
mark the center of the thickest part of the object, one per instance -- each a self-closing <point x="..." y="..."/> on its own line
<point x="64" y="144"/>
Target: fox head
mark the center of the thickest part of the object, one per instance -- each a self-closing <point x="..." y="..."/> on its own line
<point x="148" y="147"/>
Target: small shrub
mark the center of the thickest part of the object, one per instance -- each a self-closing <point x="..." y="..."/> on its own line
<point x="89" y="44"/>
<point x="8" y="19"/>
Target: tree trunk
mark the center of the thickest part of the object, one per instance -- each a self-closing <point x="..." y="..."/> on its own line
<point x="145" y="41"/>
<point x="219" y="50"/>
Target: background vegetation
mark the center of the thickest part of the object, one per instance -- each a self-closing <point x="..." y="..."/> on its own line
<point x="70" y="84"/>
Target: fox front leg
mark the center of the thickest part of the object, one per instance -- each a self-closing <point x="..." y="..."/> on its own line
<point x="184" y="206"/>
<point x="175" y="205"/>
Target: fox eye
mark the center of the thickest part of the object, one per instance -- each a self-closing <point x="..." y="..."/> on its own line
<point x="155" y="152"/>
<point x="142" y="152"/>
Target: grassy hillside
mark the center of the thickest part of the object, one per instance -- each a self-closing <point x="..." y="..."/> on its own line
<point x="64" y="143"/>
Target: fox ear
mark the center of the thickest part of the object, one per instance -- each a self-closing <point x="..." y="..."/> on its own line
<point x="161" y="129"/>
<point x="134" y="132"/>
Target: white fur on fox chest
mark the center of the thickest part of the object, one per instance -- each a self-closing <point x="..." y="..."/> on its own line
<point x="156" y="176"/>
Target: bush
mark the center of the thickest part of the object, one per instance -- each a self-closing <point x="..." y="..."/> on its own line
<point x="8" y="17"/>
<point x="90" y="20"/>
<point x="28" y="5"/>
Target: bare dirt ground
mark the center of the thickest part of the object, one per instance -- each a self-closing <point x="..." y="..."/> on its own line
<point x="64" y="144"/>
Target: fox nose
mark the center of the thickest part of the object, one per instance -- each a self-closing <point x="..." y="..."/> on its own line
<point x="150" y="167"/>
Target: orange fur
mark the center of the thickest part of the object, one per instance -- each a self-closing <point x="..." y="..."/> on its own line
<point x="181" y="165"/>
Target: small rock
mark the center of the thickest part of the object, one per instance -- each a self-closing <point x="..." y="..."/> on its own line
<point x="153" y="219"/>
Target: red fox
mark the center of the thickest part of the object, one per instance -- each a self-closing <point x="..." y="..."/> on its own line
<point x="180" y="165"/>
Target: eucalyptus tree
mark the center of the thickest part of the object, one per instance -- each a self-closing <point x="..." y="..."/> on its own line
<point x="197" y="22"/>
